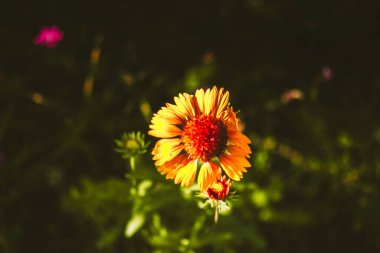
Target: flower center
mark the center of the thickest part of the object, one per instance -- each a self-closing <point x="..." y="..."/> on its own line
<point x="217" y="187"/>
<point x="204" y="137"/>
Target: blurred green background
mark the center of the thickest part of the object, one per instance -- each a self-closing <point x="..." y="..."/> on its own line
<point x="314" y="183"/>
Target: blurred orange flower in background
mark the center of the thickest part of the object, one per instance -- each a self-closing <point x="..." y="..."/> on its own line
<point x="293" y="94"/>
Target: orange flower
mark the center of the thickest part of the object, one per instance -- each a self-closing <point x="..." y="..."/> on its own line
<point x="220" y="189"/>
<point x="199" y="130"/>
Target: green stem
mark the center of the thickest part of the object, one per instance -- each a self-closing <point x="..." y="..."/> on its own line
<point x="132" y="164"/>
<point x="216" y="214"/>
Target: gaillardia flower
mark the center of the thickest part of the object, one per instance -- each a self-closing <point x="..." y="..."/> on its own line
<point x="199" y="131"/>
<point x="220" y="189"/>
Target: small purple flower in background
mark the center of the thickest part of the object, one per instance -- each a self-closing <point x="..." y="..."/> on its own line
<point x="49" y="36"/>
<point x="327" y="73"/>
<point x="293" y="94"/>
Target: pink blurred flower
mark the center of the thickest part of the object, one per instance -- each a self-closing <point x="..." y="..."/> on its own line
<point x="49" y="36"/>
<point x="293" y="94"/>
<point x="327" y="73"/>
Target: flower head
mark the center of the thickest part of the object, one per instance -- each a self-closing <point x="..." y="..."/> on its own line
<point x="202" y="131"/>
<point x="220" y="189"/>
<point x="132" y="144"/>
<point x="49" y="36"/>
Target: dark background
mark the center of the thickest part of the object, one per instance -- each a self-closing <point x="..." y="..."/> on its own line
<point x="313" y="186"/>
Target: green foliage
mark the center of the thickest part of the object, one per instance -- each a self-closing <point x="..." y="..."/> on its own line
<point x="104" y="204"/>
<point x="313" y="186"/>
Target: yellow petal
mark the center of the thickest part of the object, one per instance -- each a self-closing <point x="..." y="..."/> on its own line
<point x="233" y="171"/>
<point x="242" y="145"/>
<point x="238" y="150"/>
<point x="229" y="116"/>
<point x="166" y="149"/>
<point x="200" y="95"/>
<point x="169" y="114"/>
<point x="159" y="120"/>
<point x="208" y="175"/>
<point x="185" y="104"/>
<point x="186" y="175"/>
<point x="176" y="111"/>
<point x="238" y="136"/>
<point x="164" y="130"/>
<point x="222" y="102"/>
<point x="239" y="161"/>
<point x="161" y="143"/>
<point x="171" y="167"/>
<point x="173" y="172"/>
<point x="207" y="102"/>
<point x="213" y="100"/>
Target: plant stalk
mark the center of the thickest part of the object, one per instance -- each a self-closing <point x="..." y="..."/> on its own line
<point x="216" y="214"/>
<point x="132" y="164"/>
